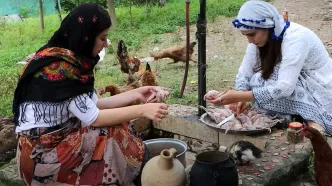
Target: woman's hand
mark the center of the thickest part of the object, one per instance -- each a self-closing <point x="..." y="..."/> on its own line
<point x="232" y="96"/>
<point x="229" y="97"/>
<point x="151" y="94"/>
<point x="143" y="93"/>
<point x="154" y="111"/>
<point x="238" y="108"/>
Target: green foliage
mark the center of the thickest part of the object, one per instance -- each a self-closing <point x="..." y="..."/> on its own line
<point x="311" y="169"/>
<point x="68" y="5"/>
<point x="24" y="12"/>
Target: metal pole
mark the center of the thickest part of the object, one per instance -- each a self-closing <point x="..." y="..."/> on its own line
<point x="201" y="37"/>
<point x="187" y="50"/>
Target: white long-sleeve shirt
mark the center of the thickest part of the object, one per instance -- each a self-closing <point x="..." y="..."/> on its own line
<point x="301" y="84"/>
<point x="83" y="107"/>
<point x="300" y="49"/>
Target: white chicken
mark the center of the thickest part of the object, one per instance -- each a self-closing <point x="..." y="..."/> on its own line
<point x="102" y="54"/>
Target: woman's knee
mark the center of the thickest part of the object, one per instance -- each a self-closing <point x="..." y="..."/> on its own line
<point x="315" y="125"/>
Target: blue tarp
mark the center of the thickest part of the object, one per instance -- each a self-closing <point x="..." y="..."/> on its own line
<point x="30" y="7"/>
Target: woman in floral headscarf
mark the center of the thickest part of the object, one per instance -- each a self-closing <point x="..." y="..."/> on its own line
<point x="286" y="68"/>
<point x="66" y="134"/>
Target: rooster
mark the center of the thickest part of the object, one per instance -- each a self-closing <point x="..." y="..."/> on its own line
<point x="323" y="156"/>
<point x="129" y="65"/>
<point x="147" y="78"/>
<point x="177" y="53"/>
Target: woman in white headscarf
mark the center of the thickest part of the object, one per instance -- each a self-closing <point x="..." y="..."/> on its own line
<point x="286" y="68"/>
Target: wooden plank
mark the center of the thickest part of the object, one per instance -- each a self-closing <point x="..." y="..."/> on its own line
<point x="189" y="128"/>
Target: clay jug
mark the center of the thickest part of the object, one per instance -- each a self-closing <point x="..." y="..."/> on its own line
<point x="164" y="170"/>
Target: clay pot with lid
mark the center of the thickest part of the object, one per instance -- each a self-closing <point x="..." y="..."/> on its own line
<point x="164" y="170"/>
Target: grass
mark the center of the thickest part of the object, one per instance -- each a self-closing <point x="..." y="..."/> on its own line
<point x="311" y="168"/>
<point x="21" y="39"/>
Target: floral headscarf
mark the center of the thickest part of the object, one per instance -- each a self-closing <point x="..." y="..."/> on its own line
<point x="63" y="68"/>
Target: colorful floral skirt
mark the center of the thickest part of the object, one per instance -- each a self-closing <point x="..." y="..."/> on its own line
<point x="80" y="156"/>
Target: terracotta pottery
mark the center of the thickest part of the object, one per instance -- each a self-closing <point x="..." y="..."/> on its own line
<point x="164" y="170"/>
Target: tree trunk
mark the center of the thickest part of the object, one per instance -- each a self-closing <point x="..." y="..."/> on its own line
<point x="131" y="15"/>
<point x="111" y="10"/>
<point x="58" y="10"/>
<point x="41" y="13"/>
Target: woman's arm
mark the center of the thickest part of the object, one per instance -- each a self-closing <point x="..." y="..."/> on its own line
<point x="246" y="70"/>
<point x="86" y="110"/>
<point x="295" y="50"/>
<point x="109" y="117"/>
<point x="119" y="100"/>
<point x="124" y="99"/>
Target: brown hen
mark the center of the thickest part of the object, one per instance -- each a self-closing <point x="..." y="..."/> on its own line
<point x="177" y="53"/>
<point x="147" y="78"/>
<point x="323" y="156"/>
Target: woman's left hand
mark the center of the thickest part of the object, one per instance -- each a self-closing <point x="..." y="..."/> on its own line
<point x="143" y="93"/>
<point x="229" y="97"/>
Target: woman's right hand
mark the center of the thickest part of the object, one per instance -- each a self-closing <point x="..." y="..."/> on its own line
<point x="239" y="107"/>
<point x="155" y="111"/>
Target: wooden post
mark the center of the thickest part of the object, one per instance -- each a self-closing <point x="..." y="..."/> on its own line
<point x="187" y="50"/>
<point x="41" y="13"/>
<point x="111" y="9"/>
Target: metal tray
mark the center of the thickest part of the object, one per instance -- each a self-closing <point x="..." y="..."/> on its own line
<point x="209" y="122"/>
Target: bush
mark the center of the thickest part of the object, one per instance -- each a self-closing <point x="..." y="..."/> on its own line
<point x="24" y="12"/>
<point x="68" y="5"/>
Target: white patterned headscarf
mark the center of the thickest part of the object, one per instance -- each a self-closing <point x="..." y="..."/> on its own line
<point x="256" y="14"/>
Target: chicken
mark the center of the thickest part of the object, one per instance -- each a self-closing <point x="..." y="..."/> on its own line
<point x="244" y="152"/>
<point x="129" y="65"/>
<point x="177" y="53"/>
<point x="102" y="55"/>
<point x="114" y="90"/>
<point x="147" y="78"/>
<point x="323" y="156"/>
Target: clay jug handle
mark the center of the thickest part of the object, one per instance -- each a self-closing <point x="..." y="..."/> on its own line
<point x="173" y="152"/>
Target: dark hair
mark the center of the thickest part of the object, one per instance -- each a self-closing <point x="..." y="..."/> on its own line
<point x="269" y="56"/>
<point x="105" y="20"/>
<point x="80" y="28"/>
